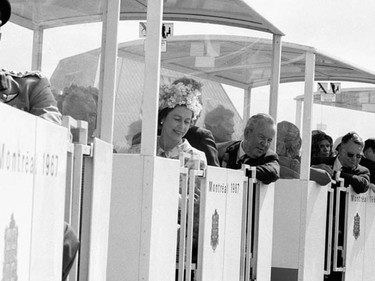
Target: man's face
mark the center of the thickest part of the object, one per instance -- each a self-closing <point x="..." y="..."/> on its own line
<point x="350" y="154"/>
<point x="370" y="154"/>
<point x="257" y="142"/>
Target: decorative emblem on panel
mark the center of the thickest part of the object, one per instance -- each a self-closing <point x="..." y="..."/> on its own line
<point x="215" y="230"/>
<point x="356" y="226"/>
<point x="10" y="251"/>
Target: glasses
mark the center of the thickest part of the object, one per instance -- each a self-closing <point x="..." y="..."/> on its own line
<point x="351" y="155"/>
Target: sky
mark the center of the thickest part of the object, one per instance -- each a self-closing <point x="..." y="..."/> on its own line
<point x="344" y="29"/>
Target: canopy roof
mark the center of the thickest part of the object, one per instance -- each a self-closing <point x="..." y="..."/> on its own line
<point x="244" y="61"/>
<point x="34" y="14"/>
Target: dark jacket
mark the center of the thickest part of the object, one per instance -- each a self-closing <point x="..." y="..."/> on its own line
<point x="203" y="140"/>
<point x="267" y="166"/>
<point x="29" y="92"/>
<point x="358" y="177"/>
<point x="369" y="165"/>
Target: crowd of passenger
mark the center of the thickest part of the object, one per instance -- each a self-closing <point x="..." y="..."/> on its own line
<point x="180" y="106"/>
<point x="349" y="156"/>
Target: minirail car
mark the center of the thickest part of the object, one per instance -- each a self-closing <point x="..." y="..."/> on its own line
<point x="124" y="206"/>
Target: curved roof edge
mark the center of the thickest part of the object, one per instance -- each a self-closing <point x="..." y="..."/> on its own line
<point x="34" y="14"/>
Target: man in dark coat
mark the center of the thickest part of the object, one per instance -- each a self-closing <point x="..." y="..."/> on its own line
<point x="203" y="140"/>
<point x="347" y="163"/>
<point x="254" y="150"/>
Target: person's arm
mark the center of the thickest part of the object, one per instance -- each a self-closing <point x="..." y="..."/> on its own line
<point x="320" y="176"/>
<point x="359" y="181"/>
<point x="42" y="101"/>
<point x="270" y="171"/>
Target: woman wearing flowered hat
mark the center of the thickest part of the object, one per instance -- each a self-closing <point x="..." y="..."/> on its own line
<point x="179" y="106"/>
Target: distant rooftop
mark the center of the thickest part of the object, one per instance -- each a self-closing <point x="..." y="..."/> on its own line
<point x="361" y="99"/>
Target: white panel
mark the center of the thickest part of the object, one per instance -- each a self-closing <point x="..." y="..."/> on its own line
<point x="286" y="228"/>
<point x="212" y="222"/>
<point x="299" y="227"/>
<point x="266" y="205"/>
<point x="125" y="218"/>
<point x="232" y="249"/>
<point x="143" y="223"/>
<point x="355" y="246"/>
<point x="369" y="233"/>
<point x="164" y="204"/>
<point x="100" y="209"/>
<point x="312" y="267"/>
<point x="17" y="164"/>
<point x="48" y="207"/>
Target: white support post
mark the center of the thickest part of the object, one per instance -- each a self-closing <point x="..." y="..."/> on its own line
<point x="275" y="78"/>
<point x="36" y="60"/>
<point x="307" y="115"/>
<point x="246" y="106"/>
<point x="299" y="114"/>
<point x="108" y="65"/>
<point x="152" y="77"/>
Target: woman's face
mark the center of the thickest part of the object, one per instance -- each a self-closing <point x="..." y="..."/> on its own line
<point x="324" y="148"/>
<point x="176" y="123"/>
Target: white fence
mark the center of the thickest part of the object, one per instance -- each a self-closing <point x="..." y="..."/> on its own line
<point x="128" y="231"/>
<point x="46" y="179"/>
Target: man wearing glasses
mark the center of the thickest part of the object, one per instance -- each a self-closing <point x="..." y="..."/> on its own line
<point x="346" y="164"/>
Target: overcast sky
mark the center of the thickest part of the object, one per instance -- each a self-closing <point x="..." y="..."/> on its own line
<point x="341" y="28"/>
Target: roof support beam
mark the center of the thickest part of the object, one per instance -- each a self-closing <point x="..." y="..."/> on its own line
<point x="246" y="106"/>
<point x="307" y="115"/>
<point x="36" y="60"/>
<point x="275" y="79"/>
<point x="107" y="76"/>
<point x="150" y="99"/>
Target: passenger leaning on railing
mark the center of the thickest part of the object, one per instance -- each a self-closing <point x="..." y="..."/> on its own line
<point x="346" y="163"/>
<point x="31" y="92"/>
<point x="179" y="106"/>
<point x="288" y="149"/>
<point x="198" y="137"/>
<point x="346" y="166"/>
<point x="254" y="150"/>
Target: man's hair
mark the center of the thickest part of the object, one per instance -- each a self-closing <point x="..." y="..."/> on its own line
<point x="253" y="121"/>
<point x="217" y="115"/>
<point x="369" y="143"/>
<point x="353" y="136"/>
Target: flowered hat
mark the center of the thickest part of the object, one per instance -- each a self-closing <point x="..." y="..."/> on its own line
<point x="179" y="93"/>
